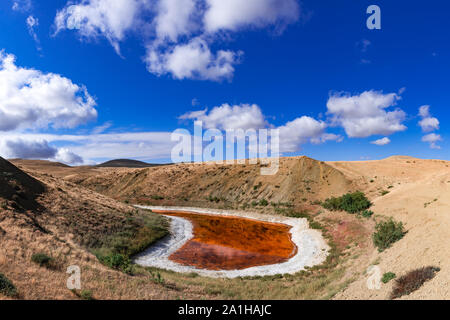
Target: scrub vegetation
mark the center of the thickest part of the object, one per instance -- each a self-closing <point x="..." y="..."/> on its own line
<point x="386" y="233"/>
<point x="7" y="288"/>
<point x="412" y="281"/>
<point x="351" y="202"/>
<point x="139" y="231"/>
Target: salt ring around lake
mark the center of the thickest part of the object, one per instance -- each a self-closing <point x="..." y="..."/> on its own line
<point x="310" y="248"/>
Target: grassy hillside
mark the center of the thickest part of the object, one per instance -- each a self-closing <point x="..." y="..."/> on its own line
<point x="42" y="216"/>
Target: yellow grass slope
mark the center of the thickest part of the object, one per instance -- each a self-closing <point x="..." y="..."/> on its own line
<point x="42" y="214"/>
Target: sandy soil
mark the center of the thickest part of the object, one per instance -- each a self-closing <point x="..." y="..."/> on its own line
<point x="420" y="198"/>
<point x="312" y="248"/>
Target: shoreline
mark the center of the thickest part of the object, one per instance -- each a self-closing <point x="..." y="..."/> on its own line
<point x="312" y="249"/>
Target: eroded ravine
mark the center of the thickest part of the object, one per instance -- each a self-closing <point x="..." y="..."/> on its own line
<point x="232" y="243"/>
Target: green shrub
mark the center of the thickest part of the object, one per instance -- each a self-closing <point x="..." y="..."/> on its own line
<point x="86" y="295"/>
<point x="384" y="192"/>
<point x="116" y="261"/>
<point x="7" y="288"/>
<point x="386" y="233"/>
<point x="350" y="202"/>
<point x="156" y="277"/>
<point x="367" y="213"/>
<point x="213" y="199"/>
<point x="83" y="294"/>
<point x="412" y="281"/>
<point x="42" y="259"/>
<point x="388" y="276"/>
<point x="263" y="203"/>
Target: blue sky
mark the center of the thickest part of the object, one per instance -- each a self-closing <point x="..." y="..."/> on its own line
<point x="291" y="59"/>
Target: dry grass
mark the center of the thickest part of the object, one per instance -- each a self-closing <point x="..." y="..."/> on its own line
<point x="70" y="222"/>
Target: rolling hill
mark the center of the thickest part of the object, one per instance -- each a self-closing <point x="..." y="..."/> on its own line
<point x="127" y="163"/>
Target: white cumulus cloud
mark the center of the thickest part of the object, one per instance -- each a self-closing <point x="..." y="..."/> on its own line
<point x="31" y="99"/>
<point x="178" y="34"/>
<point x="22" y="5"/>
<point x="428" y="123"/>
<point x="243" y="116"/>
<point x="193" y="60"/>
<point x="300" y="131"/>
<point x="92" y="18"/>
<point x="175" y="18"/>
<point x="366" y="114"/>
<point x="64" y="155"/>
<point x="235" y="14"/>
<point x="432" y="139"/>
<point x="381" y="142"/>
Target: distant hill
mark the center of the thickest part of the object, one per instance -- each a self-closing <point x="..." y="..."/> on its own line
<point x="401" y="158"/>
<point x="127" y="163"/>
<point x="38" y="163"/>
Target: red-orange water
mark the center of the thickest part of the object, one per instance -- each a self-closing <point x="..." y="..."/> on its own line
<point x="230" y="243"/>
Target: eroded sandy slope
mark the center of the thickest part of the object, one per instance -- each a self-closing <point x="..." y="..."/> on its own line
<point x="420" y="198"/>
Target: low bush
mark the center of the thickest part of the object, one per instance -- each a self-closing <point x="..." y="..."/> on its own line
<point x="350" y="202"/>
<point x="7" y="288"/>
<point x="386" y="233"/>
<point x="42" y="260"/>
<point x="367" y="213"/>
<point x="388" y="276"/>
<point x="157" y="278"/>
<point x="412" y="281"/>
<point x="83" y="294"/>
<point x="116" y="261"/>
<point x="213" y="199"/>
<point x="86" y="295"/>
<point x="263" y="203"/>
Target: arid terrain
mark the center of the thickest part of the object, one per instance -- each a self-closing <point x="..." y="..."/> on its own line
<point x="72" y="213"/>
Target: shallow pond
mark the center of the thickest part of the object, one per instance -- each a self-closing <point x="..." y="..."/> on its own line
<point x="232" y="243"/>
